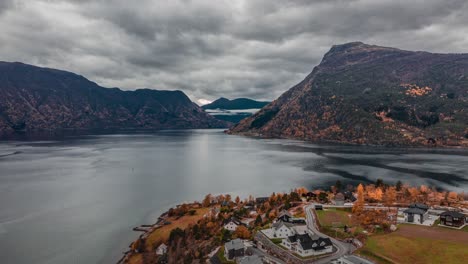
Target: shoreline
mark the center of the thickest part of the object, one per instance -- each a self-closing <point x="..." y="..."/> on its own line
<point x="186" y="217"/>
<point x="349" y="144"/>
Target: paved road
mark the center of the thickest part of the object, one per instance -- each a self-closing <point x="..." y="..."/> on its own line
<point x="263" y="254"/>
<point x="342" y="247"/>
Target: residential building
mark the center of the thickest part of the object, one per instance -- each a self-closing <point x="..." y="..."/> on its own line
<point x="161" y="250"/>
<point x="234" y="249"/>
<point x="452" y="218"/>
<point x="416" y="213"/>
<point x="284" y="216"/>
<point x="232" y="223"/>
<point x="260" y="200"/>
<point x="348" y="195"/>
<point x="305" y="245"/>
<point x="282" y="229"/>
<point x="339" y="199"/>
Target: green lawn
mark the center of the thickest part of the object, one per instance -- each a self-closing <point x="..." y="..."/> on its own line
<point x="335" y="217"/>
<point x="333" y="220"/>
<point x="417" y="244"/>
<point x="276" y="240"/>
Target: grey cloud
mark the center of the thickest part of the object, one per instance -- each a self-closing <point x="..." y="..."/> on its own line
<point x="208" y="49"/>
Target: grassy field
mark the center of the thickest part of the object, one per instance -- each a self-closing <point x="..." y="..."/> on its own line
<point x="162" y="233"/>
<point x="418" y="244"/>
<point x="336" y="217"/>
<point x="333" y="220"/>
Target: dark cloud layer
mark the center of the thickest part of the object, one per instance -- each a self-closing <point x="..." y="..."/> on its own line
<point x="208" y="49"/>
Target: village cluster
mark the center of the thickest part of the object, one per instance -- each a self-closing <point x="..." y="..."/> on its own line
<point x="293" y="228"/>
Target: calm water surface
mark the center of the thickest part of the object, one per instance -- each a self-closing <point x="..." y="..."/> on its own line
<point x="76" y="200"/>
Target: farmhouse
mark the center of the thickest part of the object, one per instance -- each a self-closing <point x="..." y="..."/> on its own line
<point x="234" y="249"/>
<point x="416" y="213"/>
<point x="232" y="224"/>
<point x="282" y="229"/>
<point x="452" y="218"/>
<point x="305" y="246"/>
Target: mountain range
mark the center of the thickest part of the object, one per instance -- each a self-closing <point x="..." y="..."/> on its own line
<point x="34" y="99"/>
<point x="368" y="94"/>
<point x="238" y="103"/>
<point x="233" y="110"/>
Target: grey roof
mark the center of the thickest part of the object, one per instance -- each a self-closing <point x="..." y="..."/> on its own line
<point x="453" y="214"/>
<point x="419" y="205"/>
<point x="254" y="259"/>
<point x="414" y="210"/>
<point x="307" y="242"/>
<point x="284" y="212"/>
<point x="234" y="244"/>
<point x="279" y="223"/>
<point x="234" y="220"/>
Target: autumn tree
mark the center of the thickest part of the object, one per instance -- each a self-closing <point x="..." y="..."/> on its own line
<point x="452" y="197"/>
<point x="390" y="196"/>
<point x="242" y="232"/>
<point x="358" y="205"/>
<point x="207" y="201"/>
<point x="413" y="193"/>
<point x="237" y="200"/>
<point x="295" y="197"/>
<point x="302" y="190"/>
<point x="272" y="198"/>
<point x="375" y="194"/>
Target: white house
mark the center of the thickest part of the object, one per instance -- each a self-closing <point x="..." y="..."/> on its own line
<point x="232" y="224"/>
<point x="304" y="245"/>
<point x="161" y="250"/>
<point x="282" y="229"/>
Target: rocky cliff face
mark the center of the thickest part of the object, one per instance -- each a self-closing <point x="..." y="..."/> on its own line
<point x="41" y="99"/>
<point x="368" y="94"/>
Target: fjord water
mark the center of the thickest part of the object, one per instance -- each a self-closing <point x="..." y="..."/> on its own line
<point x="75" y="200"/>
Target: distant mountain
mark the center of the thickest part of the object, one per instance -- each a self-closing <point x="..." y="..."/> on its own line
<point x="43" y="99"/>
<point x="234" y="110"/>
<point x="239" y="103"/>
<point x="367" y="94"/>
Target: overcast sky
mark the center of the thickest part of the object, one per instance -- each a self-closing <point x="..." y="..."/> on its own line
<point x="214" y="48"/>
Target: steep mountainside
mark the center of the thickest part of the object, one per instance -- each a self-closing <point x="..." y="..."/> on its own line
<point x="42" y="99"/>
<point x="368" y="94"/>
<point x="239" y="103"/>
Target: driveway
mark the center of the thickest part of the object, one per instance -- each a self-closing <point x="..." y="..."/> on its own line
<point x="342" y="247"/>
